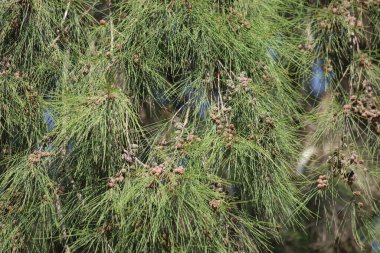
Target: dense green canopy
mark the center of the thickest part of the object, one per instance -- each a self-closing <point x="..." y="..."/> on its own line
<point x="177" y="126"/>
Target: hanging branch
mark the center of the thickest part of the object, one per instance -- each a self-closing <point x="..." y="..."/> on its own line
<point x="58" y="206"/>
<point x="111" y="26"/>
<point x="63" y="29"/>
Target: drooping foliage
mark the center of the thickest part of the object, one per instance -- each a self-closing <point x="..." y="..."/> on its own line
<point x="176" y="126"/>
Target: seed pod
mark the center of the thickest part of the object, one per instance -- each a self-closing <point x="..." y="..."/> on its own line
<point x="353" y="158"/>
<point x="179" y="145"/>
<point x="157" y="170"/>
<point x="346" y="108"/>
<point x="215" y="204"/>
<point x="120" y="179"/>
<point x="356" y="193"/>
<point x="136" y="58"/>
<point x="320" y="186"/>
<point x="102" y="22"/>
<point x="219" y="189"/>
<point x="17" y="75"/>
<point x="268" y="120"/>
<point x="180" y="170"/>
<point x="44" y="154"/>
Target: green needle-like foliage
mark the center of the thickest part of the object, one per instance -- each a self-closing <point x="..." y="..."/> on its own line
<point x="176" y="126"/>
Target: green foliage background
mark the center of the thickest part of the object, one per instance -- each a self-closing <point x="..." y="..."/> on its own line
<point x="178" y="125"/>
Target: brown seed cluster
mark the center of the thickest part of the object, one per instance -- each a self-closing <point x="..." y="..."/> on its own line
<point x="189" y="5"/>
<point x="360" y="204"/>
<point x="322" y="182"/>
<point x="328" y="66"/>
<point x="223" y="128"/>
<point x="6" y="65"/>
<point x="178" y="126"/>
<point x="8" y="208"/>
<point x="17" y="243"/>
<point x="85" y="69"/>
<point x="307" y="47"/>
<point x="352" y="20"/>
<point x="180" y="144"/>
<point x="130" y="154"/>
<point x="365" y="61"/>
<point x="343" y="10"/>
<point x="240" y="21"/>
<point x="18" y="75"/>
<point x="365" y="106"/>
<point x="163" y="143"/>
<point x="192" y="138"/>
<point x="244" y="81"/>
<point x="37" y="156"/>
<point x="268" y="121"/>
<point x="325" y="25"/>
<point x="245" y="23"/>
<point x="180" y="170"/>
<point x="342" y="165"/>
<point x="157" y="170"/>
<point x="243" y="86"/>
<point x="136" y="58"/>
<point x="368" y="3"/>
<point x="266" y="75"/>
<point x="217" y="187"/>
<point x="106" y="228"/>
<point x="215" y="204"/>
<point x="102" y="22"/>
<point x="117" y="179"/>
<point x="106" y="98"/>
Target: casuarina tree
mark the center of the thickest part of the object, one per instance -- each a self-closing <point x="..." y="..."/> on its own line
<point x="189" y="125"/>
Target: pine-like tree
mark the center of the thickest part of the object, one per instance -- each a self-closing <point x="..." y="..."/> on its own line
<point x="177" y="125"/>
